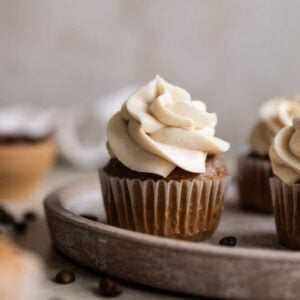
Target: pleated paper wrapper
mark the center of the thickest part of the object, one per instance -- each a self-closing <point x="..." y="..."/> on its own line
<point x="253" y="184"/>
<point x="286" y="208"/>
<point x="186" y="209"/>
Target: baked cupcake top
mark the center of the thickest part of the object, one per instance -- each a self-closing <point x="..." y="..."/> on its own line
<point x="160" y="128"/>
<point x="285" y="153"/>
<point x="274" y="114"/>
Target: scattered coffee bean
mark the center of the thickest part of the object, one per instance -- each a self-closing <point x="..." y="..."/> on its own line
<point x="29" y="216"/>
<point x="109" y="287"/>
<point x="228" y="241"/>
<point x="65" y="277"/>
<point x="90" y="217"/>
<point x="5" y="217"/>
<point x="20" y="227"/>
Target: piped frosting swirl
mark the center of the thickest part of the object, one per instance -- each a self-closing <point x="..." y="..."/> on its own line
<point x="285" y="153"/>
<point x="160" y="128"/>
<point x="274" y="114"/>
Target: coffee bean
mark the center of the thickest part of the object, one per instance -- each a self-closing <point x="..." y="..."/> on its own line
<point x="90" y="217"/>
<point x="65" y="277"/>
<point x="20" y="227"/>
<point x="5" y="217"/>
<point x="29" y="216"/>
<point x="109" y="287"/>
<point x="228" y="241"/>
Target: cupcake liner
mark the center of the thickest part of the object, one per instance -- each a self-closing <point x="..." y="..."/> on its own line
<point x="286" y="208"/>
<point x="22" y="167"/>
<point x="187" y="209"/>
<point x="253" y="183"/>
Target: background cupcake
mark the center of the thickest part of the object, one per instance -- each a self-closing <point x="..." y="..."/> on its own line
<point x="285" y="186"/>
<point x="254" y="168"/>
<point x="164" y="177"/>
<point x="27" y="149"/>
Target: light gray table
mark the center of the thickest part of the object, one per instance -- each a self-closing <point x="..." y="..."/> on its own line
<point x="37" y="240"/>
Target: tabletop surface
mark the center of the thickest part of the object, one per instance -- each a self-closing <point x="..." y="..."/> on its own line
<point x="37" y="240"/>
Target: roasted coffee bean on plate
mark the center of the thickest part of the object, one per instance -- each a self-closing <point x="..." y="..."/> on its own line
<point x="65" y="277"/>
<point x="229" y="241"/>
<point x="109" y="287"/>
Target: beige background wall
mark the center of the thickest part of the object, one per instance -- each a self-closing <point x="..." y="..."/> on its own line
<point x="231" y="53"/>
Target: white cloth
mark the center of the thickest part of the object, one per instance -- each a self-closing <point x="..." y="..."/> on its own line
<point x="80" y="131"/>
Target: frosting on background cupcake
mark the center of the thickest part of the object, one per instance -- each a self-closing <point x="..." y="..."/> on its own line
<point x="285" y="153"/>
<point x="27" y="120"/>
<point x="273" y="115"/>
<point x="160" y="128"/>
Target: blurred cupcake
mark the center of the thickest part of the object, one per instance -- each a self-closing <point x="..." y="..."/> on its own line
<point x="27" y="149"/>
<point x="164" y="177"/>
<point x="285" y="186"/>
<point x="254" y="168"/>
<point x="19" y="273"/>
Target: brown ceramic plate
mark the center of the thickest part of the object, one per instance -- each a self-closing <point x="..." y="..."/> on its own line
<point x="258" y="267"/>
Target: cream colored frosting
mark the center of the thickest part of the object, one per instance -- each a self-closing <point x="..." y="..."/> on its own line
<point x="273" y="115"/>
<point x="285" y="153"/>
<point x="28" y="120"/>
<point x="159" y="127"/>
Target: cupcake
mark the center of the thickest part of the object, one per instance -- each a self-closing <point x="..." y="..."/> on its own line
<point x="19" y="273"/>
<point x="164" y="176"/>
<point x="254" y="167"/>
<point x="285" y="185"/>
<point x="27" y="150"/>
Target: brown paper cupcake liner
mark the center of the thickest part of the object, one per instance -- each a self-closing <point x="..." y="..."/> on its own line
<point x="187" y="209"/>
<point x="286" y="208"/>
<point x="253" y="184"/>
<point x="23" y="166"/>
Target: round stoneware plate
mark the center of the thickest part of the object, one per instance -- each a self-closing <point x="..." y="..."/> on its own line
<point x="257" y="267"/>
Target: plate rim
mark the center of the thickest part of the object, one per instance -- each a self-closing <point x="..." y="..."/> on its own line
<point x="52" y="203"/>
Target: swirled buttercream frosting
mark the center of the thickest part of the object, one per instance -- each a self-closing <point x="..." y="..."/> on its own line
<point x="274" y="114"/>
<point x="160" y="128"/>
<point x="285" y="153"/>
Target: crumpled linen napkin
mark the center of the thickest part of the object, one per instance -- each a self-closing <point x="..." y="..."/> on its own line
<point x="80" y="131"/>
